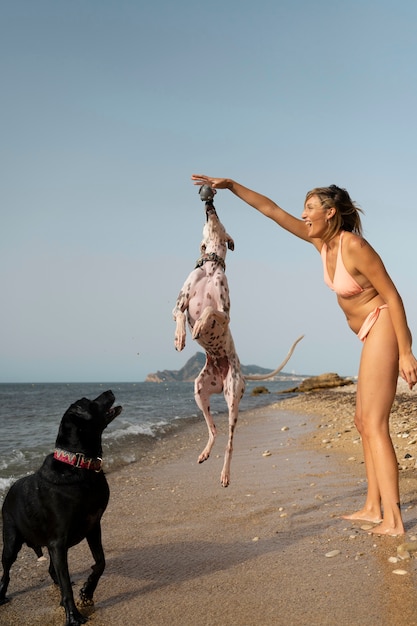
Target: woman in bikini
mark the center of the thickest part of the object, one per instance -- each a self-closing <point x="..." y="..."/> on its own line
<point x="374" y="311"/>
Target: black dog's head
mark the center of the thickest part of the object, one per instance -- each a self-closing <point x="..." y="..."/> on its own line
<point x="83" y="424"/>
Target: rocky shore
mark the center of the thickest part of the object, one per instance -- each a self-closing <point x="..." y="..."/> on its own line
<point x="335" y="411"/>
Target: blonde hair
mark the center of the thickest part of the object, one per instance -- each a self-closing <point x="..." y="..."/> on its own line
<point x="347" y="216"/>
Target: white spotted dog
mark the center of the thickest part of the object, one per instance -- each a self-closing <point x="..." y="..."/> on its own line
<point x="204" y="299"/>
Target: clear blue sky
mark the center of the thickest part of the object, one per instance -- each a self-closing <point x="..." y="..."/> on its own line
<point x="109" y="106"/>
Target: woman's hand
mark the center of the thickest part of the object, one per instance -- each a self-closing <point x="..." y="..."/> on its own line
<point x="408" y="370"/>
<point x="214" y="183"/>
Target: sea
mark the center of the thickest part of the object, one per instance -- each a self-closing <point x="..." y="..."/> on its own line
<point x="30" y="415"/>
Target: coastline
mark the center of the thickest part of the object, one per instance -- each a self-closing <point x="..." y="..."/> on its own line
<point x="270" y="549"/>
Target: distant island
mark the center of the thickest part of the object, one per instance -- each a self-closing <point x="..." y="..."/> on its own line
<point x="192" y="368"/>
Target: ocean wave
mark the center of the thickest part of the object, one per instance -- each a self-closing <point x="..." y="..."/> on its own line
<point x="5" y="484"/>
<point x="149" y="429"/>
<point x="16" y="456"/>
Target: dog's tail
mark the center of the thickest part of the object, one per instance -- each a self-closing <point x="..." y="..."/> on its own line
<point x="278" y="369"/>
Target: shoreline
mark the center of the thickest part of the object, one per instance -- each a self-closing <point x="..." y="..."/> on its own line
<point x="269" y="549"/>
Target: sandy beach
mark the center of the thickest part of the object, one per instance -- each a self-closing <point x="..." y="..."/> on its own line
<point x="270" y="549"/>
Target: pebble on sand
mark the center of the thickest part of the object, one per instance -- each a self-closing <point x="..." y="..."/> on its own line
<point x="332" y="553"/>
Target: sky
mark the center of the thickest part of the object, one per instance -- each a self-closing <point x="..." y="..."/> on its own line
<point x="109" y="106"/>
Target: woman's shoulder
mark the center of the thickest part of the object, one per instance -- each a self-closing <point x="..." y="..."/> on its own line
<point x="353" y="240"/>
<point x="356" y="244"/>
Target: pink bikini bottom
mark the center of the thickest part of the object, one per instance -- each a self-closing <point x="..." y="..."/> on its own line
<point x="370" y="321"/>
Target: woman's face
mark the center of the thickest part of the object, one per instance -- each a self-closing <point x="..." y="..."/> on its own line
<point x="315" y="217"/>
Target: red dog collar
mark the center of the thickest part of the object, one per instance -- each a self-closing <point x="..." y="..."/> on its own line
<point x="78" y="459"/>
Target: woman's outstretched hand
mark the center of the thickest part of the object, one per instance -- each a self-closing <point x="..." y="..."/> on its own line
<point x="214" y="183"/>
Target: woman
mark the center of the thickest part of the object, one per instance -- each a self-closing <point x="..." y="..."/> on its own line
<point x="374" y="311"/>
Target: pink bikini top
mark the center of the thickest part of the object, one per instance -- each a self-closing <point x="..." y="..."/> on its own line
<point x="343" y="283"/>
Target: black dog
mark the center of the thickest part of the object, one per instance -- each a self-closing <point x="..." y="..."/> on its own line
<point x="63" y="502"/>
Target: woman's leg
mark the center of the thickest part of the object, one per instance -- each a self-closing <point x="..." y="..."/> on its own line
<point x="377" y="382"/>
<point x="371" y="511"/>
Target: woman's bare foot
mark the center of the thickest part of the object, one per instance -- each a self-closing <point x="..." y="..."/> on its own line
<point x="364" y="516"/>
<point x="388" y="531"/>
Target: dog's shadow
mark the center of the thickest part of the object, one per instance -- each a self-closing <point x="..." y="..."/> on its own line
<point x="162" y="565"/>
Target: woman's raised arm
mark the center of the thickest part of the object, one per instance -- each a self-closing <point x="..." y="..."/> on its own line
<point x="264" y="205"/>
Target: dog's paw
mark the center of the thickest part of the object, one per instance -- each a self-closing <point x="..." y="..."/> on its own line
<point x="224" y="480"/>
<point x="203" y="456"/>
<point x="84" y="600"/>
<point x="179" y="344"/>
<point x="75" y="618"/>
<point x="197" y="329"/>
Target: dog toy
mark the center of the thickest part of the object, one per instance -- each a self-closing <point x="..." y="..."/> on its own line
<point x="207" y="193"/>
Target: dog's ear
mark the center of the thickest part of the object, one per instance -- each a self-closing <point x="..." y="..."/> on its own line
<point x="79" y="412"/>
<point x="230" y="243"/>
<point x="75" y="418"/>
<point x="81" y="408"/>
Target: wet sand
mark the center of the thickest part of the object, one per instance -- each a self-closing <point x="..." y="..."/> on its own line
<point x="270" y="549"/>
